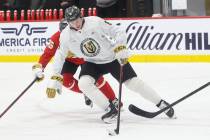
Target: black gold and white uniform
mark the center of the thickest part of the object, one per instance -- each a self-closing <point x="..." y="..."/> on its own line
<point x="95" y="42"/>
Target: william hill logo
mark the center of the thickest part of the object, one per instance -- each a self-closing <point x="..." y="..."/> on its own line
<point x="23" y="36"/>
<point x="147" y="38"/>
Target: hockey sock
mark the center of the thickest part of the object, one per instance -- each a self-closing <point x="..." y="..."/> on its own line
<point x="138" y="86"/>
<point x="105" y="88"/>
<point x="70" y="82"/>
<point x="87" y="85"/>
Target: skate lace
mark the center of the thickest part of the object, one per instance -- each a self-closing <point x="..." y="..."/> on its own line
<point x="163" y="105"/>
<point x="107" y="109"/>
<point x="115" y="102"/>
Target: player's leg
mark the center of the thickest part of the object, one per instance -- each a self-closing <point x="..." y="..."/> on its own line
<point x="88" y="75"/>
<point x="106" y="89"/>
<point x="70" y="82"/>
<point x="68" y="71"/>
<point x="135" y="84"/>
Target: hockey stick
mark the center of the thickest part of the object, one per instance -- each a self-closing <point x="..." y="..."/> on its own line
<point x="18" y="98"/>
<point x="132" y="108"/>
<point x="117" y="130"/>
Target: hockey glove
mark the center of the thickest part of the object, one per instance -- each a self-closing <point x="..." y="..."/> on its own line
<point x="121" y="54"/>
<point x="54" y="85"/>
<point x="38" y="72"/>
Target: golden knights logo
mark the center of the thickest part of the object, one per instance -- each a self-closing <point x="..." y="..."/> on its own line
<point x="90" y="47"/>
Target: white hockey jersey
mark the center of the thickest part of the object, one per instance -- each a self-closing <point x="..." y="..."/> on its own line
<point x="94" y="42"/>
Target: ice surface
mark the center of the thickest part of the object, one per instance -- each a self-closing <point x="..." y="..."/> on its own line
<point x="68" y="118"/>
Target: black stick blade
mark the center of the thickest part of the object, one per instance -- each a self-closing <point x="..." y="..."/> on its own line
<point x="132" y="108"/>
<point x="137" y="111"/>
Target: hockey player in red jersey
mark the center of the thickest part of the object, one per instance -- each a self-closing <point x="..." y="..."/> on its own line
<point x="69" y="69"/>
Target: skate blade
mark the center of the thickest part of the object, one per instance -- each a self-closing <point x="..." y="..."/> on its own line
<point x="110" y="120"/>
<point x="174" y="117"/>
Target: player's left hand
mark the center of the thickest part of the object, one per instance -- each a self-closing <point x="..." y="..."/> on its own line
<point x="38" y="72"/>
<point x="122" y="54"/>
<point x="54" y="86"/>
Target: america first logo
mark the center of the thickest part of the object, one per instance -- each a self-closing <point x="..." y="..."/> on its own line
<point x="25" y="35"/>
<point x="90" y="47"/>
<point x="29" y="30"/>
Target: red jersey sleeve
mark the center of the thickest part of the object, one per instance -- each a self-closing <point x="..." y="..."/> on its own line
<point x="50" y="49"/>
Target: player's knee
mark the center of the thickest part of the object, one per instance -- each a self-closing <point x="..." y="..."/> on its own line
<point x="68" y="80"/>
<point x="85" y="82"/>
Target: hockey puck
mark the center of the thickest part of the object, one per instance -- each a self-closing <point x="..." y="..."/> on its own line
<point x="112" y="132"/>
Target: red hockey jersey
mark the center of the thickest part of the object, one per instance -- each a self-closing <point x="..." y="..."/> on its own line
<point x="50" y="50"/>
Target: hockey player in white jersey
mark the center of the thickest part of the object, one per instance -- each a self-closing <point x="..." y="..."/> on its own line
<point x="103" y="46"/>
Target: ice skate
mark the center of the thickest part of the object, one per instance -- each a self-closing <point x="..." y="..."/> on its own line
<point x="115" y="102"/>
<point x="111" y="114"/>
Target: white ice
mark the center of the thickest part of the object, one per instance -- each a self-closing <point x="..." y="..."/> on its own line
<point x="67" y="117"/>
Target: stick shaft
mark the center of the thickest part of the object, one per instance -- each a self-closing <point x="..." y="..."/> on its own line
<point x="119" y="99"/>
<point x="22" y="93"/>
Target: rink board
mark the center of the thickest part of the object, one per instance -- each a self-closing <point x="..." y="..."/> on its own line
<point x="149" y="39"/>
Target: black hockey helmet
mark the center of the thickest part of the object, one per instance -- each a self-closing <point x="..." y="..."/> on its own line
<point x="72" y="13"/>
<point x="62" y="25"/>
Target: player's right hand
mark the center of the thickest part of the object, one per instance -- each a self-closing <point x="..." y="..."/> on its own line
<point x="121" y="54"/>
<point x="54" y="86"/>
<point x="38" y="72"/>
